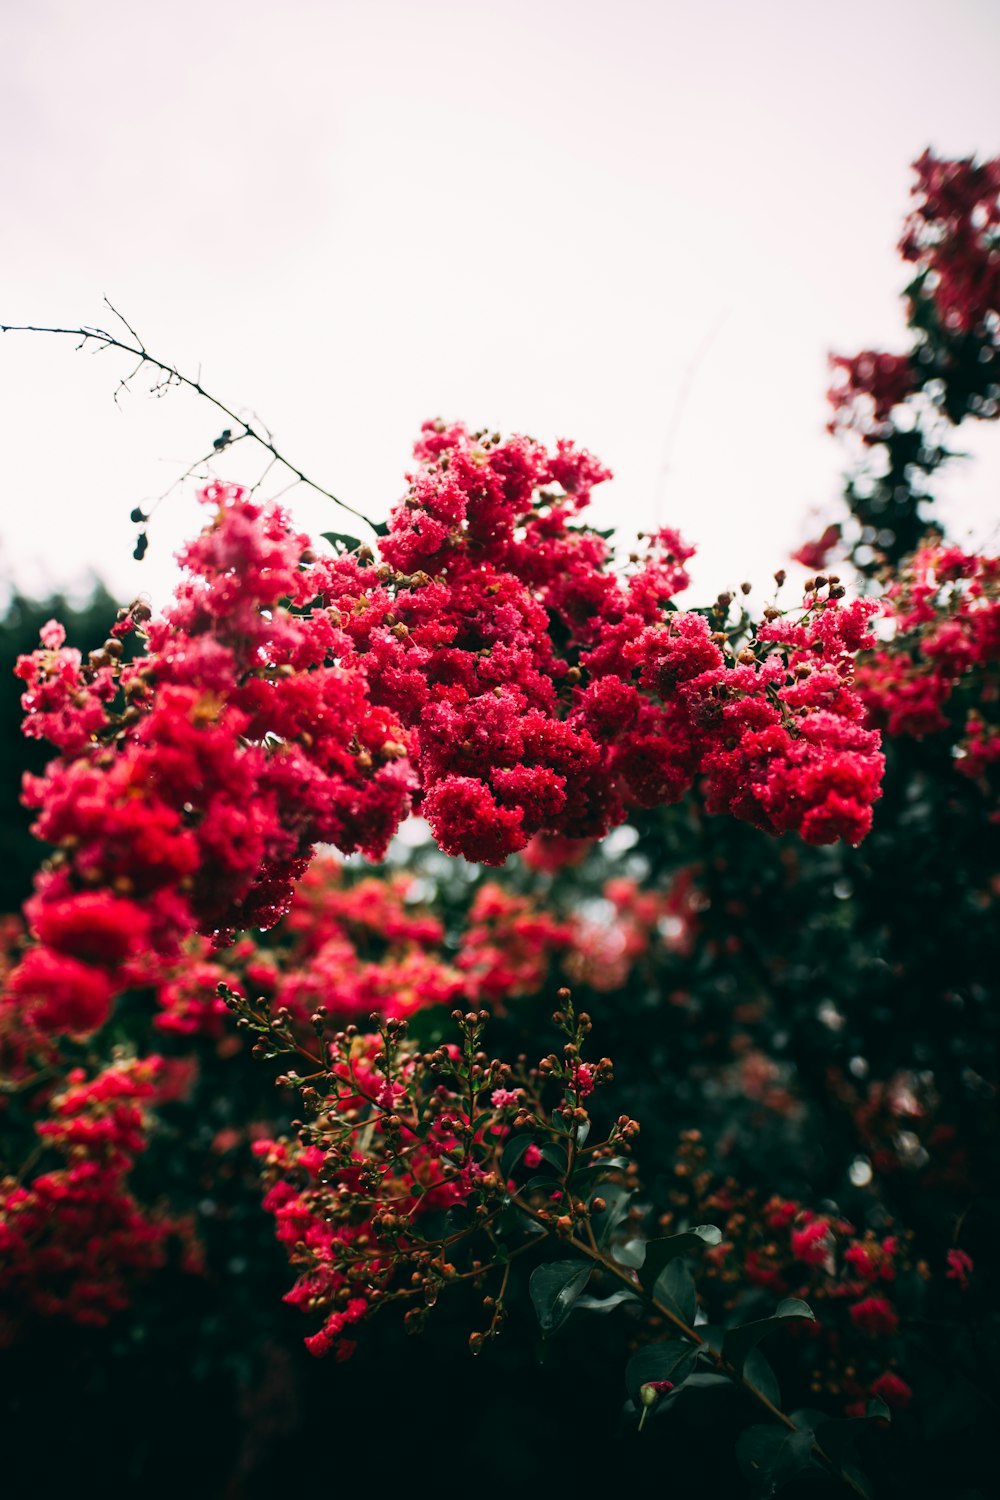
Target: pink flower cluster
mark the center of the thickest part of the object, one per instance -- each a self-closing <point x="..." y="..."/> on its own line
<point x="353" y="949"/>
<point x="327" y="1211"/>
<point x="778" y="735"/>
<point x="363" y="946"/>
<point x="866" y="388"/>
<point x="73" y="1236"/>
<point x="847" y="1278"/>
<point x="815" y="555"/>
<point x="196" y="804"/>
<point x="493" y="673"/>
<point x="940" y="670"/>
<point x="521" y="665"/>
<point x="510" y="947"/>
<point x="953" y="236"/>
<point x="296" y="1199"/>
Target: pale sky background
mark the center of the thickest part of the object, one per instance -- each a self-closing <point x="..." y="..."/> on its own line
<point x="638" y="225"/>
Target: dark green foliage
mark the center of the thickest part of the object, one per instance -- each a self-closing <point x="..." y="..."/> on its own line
<point x="554" y="1288"/>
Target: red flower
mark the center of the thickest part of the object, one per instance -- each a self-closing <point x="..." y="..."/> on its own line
<point x="959" y="1268"/>
<point x="812" y="1244"/>
<point x="60" y="993"/>
<point x="893" y="1391"/>
<point x="815" y="555"/>
<point x="875" y="1316"/>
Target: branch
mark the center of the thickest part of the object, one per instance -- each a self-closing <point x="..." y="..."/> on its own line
<point x="686" y="1331"/>
<point x="169" y="375"/>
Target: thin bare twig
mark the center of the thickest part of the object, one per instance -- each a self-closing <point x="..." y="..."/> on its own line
<point x="688" y="379"/>
<point x="192" y="469"/>
<point x="169" y="376"/>
<point x="257" y="483"/>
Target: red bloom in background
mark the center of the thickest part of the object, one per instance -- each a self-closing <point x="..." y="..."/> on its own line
<point x="866" y="388"/>
<point x="893" y="1391"/>
<point x="875" y="1316"/>
<point x="960" y="1268"/>
<point x="58" y="993"/>
<point x="816" y="555"/>
<point x="813" y="1243"/>
<point x="953" y="236"/>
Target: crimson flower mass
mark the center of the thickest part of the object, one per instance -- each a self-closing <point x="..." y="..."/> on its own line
<point x="520" y="688"/>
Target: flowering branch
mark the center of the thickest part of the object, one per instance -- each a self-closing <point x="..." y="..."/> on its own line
<point x="169" y="376"/>
<point x="395" y="1135"/>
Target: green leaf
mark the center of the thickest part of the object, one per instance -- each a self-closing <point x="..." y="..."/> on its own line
<point x="841" y="1433"/>
<point x="675" y="1289"/>
<point x="594" y="1170"/>
<point x="380" y="528"/>
<point x="739" y="1341"/>
<point x="808" y="1418"/>
<point x="672" y="1360"/>
<point x="838" y="1437"/>
<point x="341" y="539"/>
<point x="660" y="1253"/>
<point x="513" y="1152"/>
<point x="712" y="1335"/>
<point x="703" y="1380"/>
<point x="556" y="1156"/>
<point x="605" y="1223"/>
<point x="860" y="1481"/>
<point x="794" y="1307"/>
<point x="771" y="1456"/>
<point x="630" y="1253"/>
<point x="554" y="1288"/>
<point x="605" y="1304"/>
<point x="514" y="1221"/>
<point x="543" y="1184"/>
<point x="759" y="1374"/>
<point x="552" y="1184"/>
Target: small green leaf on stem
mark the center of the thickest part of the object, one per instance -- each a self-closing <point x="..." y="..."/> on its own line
<point x="554" y="1288"/>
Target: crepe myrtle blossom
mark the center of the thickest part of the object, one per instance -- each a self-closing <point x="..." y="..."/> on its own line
<point x="494" y="672"/>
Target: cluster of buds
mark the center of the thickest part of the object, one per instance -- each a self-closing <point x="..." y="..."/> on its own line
<point x="418" y="1171"/>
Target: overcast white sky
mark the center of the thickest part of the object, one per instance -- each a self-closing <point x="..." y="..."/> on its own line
<point x="638" y="225"/>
